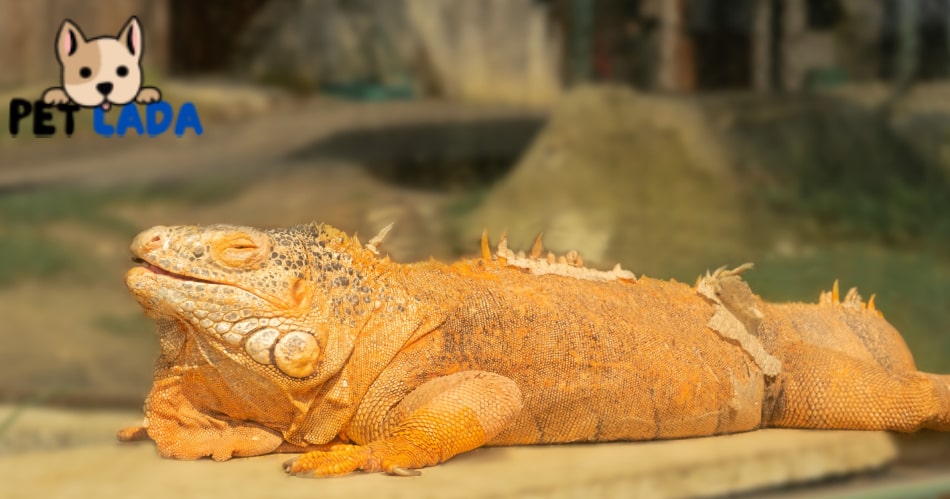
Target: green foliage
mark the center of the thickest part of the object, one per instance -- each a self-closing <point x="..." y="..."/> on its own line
<point x="25" y="253"/>
<point x="27" y="250"/>
<point x="842" y="170"/>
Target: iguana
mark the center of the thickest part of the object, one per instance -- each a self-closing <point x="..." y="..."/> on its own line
<point x="305" y="340"/>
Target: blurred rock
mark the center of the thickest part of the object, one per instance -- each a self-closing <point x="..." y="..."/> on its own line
<point x="676" y="185"/>
<point x="494" y="50"/>
<point x="621" y="176"/>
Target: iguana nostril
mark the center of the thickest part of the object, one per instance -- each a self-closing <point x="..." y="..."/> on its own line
<point x="149" y="240"/>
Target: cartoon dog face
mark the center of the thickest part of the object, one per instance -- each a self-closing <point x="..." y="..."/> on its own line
<point x="102" y="71"/>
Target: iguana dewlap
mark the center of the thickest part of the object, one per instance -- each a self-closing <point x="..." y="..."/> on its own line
<point x="303" y="340"/>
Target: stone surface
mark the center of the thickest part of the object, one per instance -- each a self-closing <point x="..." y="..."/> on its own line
<point x="98" y="467"/>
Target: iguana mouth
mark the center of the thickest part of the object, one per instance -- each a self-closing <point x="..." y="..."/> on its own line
<point x="160" y="271"/>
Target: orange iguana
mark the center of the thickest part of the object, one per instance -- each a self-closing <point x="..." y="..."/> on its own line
<point x="304" y="340"/>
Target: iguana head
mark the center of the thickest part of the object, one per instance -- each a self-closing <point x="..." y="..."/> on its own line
<point x="266" y="299"/>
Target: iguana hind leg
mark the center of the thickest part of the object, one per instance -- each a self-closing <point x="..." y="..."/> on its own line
<point x="821" y="388"/>
<point x="439" y="419"/>
<point x="941" y="420"/>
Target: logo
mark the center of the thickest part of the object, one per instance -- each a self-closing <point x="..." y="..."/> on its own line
<point x="97" y="74"/>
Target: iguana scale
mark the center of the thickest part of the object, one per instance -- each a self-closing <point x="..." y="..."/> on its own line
<point x="305" y="340"/>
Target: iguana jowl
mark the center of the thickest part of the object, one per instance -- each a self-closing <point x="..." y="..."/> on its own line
<point x="304" y="340"/>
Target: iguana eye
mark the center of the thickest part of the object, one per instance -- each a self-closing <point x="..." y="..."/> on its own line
<point x="240" y="251"/>
<point x="241" y="244"/>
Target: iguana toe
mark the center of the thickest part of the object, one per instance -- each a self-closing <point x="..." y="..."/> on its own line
<point x="340" y="461"/>
<point x="400" y="471"/>
<point x="132" y="434"/>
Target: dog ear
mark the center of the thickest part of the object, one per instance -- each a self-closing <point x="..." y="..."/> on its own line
<point x="69" y="39"/>
<point x="131" y="37"/>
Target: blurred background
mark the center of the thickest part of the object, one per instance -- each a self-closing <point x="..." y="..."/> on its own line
<point x="811" y="137"/>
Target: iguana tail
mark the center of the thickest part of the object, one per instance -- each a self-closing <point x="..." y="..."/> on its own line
<point x="845" y="367"/>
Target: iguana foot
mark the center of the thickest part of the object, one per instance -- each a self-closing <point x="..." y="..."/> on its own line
<point x="132" y="434"/>
<point x="342" y="459"/>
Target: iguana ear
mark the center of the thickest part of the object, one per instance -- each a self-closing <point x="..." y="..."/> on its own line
<point x="68" y="40"/>
<point x="301" y="294"/>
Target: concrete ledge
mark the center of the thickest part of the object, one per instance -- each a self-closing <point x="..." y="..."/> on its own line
<point x="682" y="468"/>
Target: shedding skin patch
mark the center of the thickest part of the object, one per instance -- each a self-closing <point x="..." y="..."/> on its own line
<point x="571" y="264"/>
<point x="731" y="300"/>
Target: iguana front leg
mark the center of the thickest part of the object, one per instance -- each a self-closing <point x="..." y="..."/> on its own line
<point x="439" y="419"/>
<point x="182" y="431"/>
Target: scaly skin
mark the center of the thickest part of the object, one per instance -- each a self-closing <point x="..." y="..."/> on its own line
<point x="303" y="340"/>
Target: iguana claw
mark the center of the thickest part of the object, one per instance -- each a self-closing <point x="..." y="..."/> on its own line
<point x="400" y="471"/>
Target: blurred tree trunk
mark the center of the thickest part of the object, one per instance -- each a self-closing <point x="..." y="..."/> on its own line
<point x="489" y="50"/>
<point x="906" y="57"/>
<point x="766" y="45"/>
<point x="761" y="37"/>
<point x="581" y="35"/>
<point x="907" y="45"/>
<point x="946" y="33"/>
<point x="676" y="68"/>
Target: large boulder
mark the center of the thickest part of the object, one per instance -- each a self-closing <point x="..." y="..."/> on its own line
<point x="621" y="176"/>
<point x="672" y="185"/>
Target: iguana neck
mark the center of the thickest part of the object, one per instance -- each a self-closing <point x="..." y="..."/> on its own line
<point x="370" y="314"/>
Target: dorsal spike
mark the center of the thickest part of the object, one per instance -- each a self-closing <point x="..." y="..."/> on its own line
<point x="871" y="307"/>
<point x="486" y="251"/>
<point x="852" y="299"/>
<point x="373" y="244"/>
<point x="571" y="257"/>
<point x="835" y="295"/>
<point x="503" y="244"/>
<point x="537" y="248"/>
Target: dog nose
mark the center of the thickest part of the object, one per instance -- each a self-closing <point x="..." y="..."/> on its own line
<point x="104" y="88"/>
